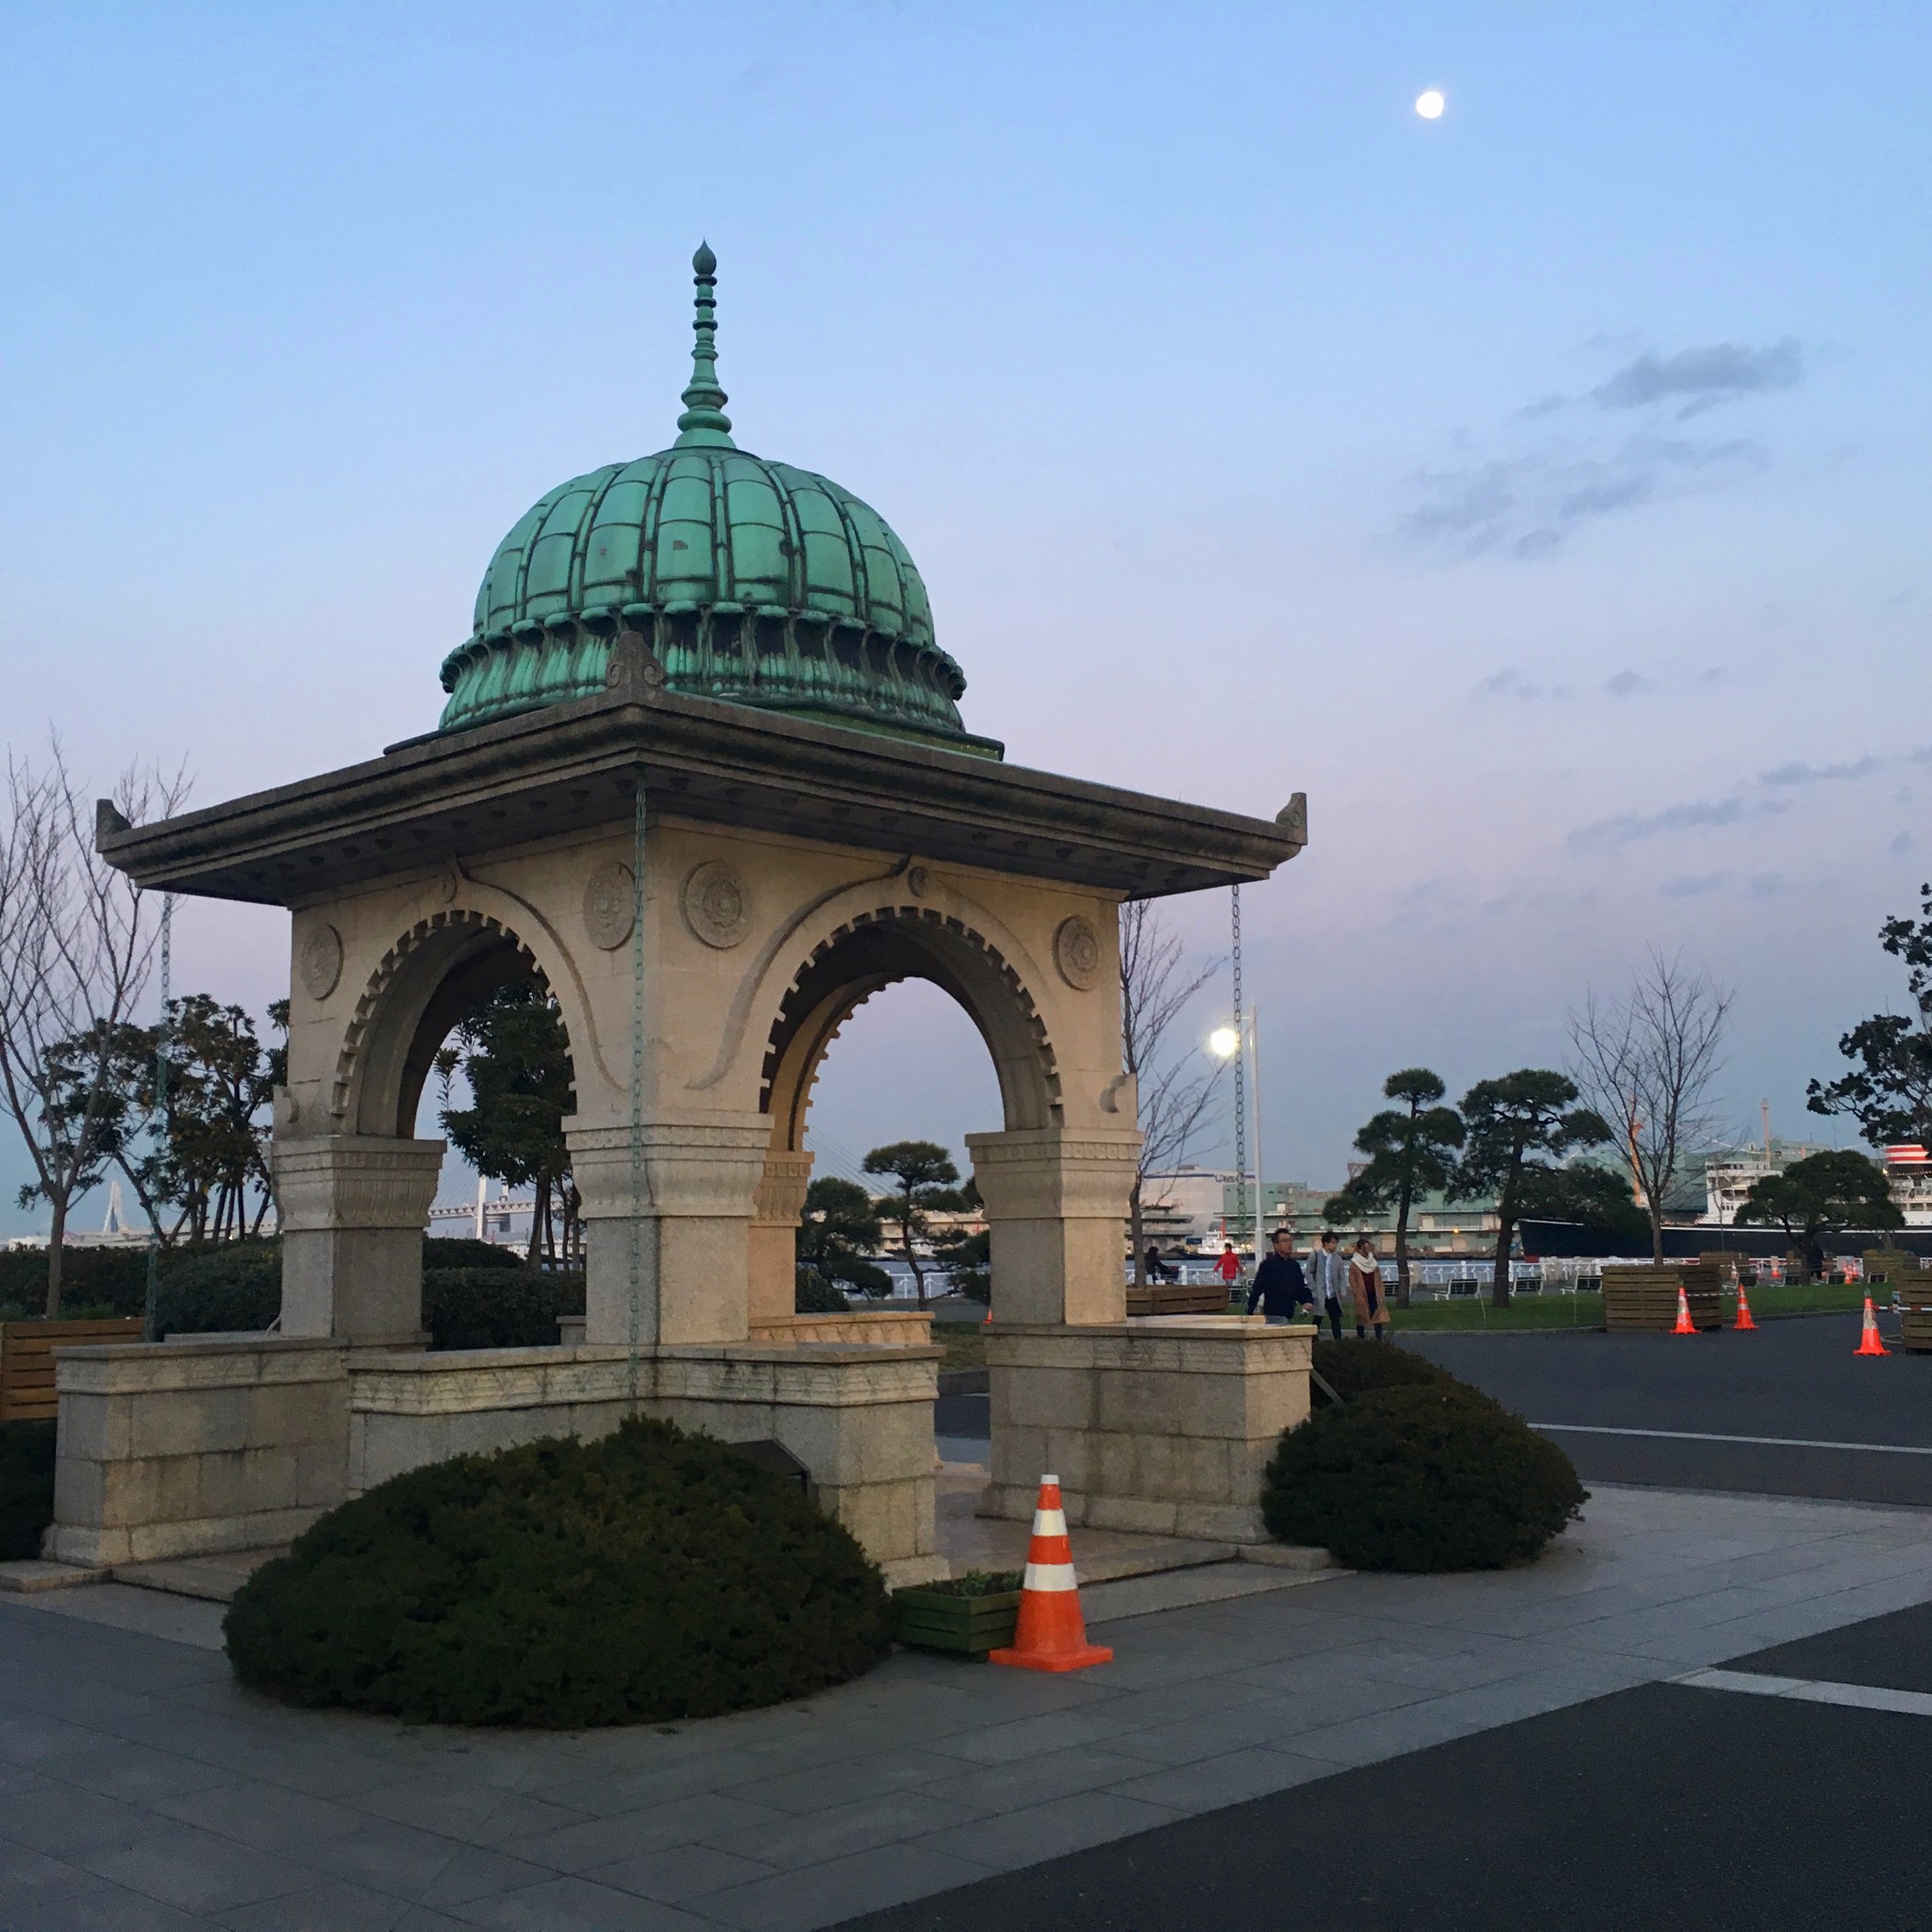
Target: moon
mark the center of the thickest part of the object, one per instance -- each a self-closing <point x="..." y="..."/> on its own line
<point x="1429" y="104"/>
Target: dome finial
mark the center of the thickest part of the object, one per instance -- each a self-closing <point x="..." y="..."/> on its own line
<point x="704" y="422"/>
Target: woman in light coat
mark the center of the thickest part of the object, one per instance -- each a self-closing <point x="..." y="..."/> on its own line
<point x="1365" y="1292"/>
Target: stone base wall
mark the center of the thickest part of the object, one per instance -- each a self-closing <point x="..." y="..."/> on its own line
<point x="1163" y="1425"/>
<point x="181" y="1448"/>
<point x="859" y="1417"/>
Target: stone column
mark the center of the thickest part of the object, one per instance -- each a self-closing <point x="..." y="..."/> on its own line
<point x="352" y="1210"/>
<point x="700" y="1183"/>
<point x="774" y="1236"/>
<point x="1056" y="1206"/>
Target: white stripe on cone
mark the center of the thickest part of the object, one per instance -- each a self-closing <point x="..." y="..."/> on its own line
<point x="1049" y="1522"/>
<point x="1049" y="1576"/>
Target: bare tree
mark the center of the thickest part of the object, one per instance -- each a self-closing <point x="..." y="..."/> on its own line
<point x="76" y="946"/>
<point x="1646" y="1063"/>
<point x="1157" y="983"/>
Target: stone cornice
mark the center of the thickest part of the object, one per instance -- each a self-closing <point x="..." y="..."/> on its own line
<point x="573" y="766"/>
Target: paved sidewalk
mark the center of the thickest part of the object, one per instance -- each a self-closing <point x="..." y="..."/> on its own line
<point x="138" y="1788"/>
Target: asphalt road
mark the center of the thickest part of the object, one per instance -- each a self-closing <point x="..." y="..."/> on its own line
<point x="1660" y="1808"/>
<point x="1796" y="1379"/>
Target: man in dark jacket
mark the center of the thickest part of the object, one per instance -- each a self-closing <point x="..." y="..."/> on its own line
<point x="1280" y="1285"/>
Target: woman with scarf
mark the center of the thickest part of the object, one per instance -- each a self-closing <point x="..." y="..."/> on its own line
<point x="1365" y="1292"/>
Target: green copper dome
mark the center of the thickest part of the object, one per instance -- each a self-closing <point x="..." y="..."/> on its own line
<point x="753" y="582"/>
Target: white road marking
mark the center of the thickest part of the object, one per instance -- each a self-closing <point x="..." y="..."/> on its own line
<point x="1761" y="1441"/>
<point x="1811" y="1691"/>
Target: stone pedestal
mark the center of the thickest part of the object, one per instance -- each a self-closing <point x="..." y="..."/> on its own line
<point x="352" y="1210"/>
<point x="1163" y="1425"/>
<point x="1056" y="1203"/>
<point x="183" y="1448"/>
<point x="699" y="1181"/>
<point x="860" y="1419"/>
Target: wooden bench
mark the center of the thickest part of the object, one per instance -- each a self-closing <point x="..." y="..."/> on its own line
<point x="27" y="1361"/>
<point x="1179" y="1298"/>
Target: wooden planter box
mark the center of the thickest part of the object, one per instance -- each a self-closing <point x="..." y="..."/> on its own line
<point x="1643" y="1301"/>
<point x="943" y="1620"/>
<point x="27" y="1361"/>
<point x="1916" y="1335"/>
<point x="1179" y="1298"/>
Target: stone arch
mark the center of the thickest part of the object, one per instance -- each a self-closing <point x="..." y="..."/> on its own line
<point x="877" y="949"/>
<point x="433" y="973"/>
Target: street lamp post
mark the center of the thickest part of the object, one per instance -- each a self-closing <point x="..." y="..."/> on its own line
<point x="1241" y="1043"/>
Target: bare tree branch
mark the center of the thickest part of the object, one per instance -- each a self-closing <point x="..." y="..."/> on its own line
<point x="1647" y="1063"/>
<point x="76" y="948"/>
<point x="1173" y="1092"/>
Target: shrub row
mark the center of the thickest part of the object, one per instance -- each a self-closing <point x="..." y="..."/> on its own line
<point x="648" y="1576"/>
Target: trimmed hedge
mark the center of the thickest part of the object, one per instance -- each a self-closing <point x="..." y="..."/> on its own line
<point x="497" y="1308"/>
<point x="1427" y="1478"/>
<point x="464" y="1251"/>
<point x="648" y="1576"/>
<point x="1353" y="1368"/>
<point x="238" y="1286"/>
<point x="110" y="1280"/>
<point x="27" y="1488"/>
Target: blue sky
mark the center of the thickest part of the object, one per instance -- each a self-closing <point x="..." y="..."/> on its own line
<point x="1542" y="490"/>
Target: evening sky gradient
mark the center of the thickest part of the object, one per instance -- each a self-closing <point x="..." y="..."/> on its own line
<point x="1542" y="490"/>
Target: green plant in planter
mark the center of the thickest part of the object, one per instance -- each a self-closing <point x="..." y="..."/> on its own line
<point x="1428" y="1477"/>
<point x="647" y="1576"/>
<point x="970" y="1614"/>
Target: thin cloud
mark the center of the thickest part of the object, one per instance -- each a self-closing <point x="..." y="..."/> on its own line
<point x="1627" y="684"/>
<point x="1510" y="683"/>
<point x="1527" y="502"/>
<point x="1698" y="815"/>
<point x="1798" y="772"/>
<point x="1695" y="887"/>
<point x="1702" y="378"/>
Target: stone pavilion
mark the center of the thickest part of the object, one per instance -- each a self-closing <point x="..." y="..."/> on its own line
<point x="700" y="768"/>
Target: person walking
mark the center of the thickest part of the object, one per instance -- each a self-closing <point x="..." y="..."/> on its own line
<point x="1228" y="1264"/>
<point x="1280" y="1287"/>
<point x="1365" y="1292"/>
<point x="1326" y="1270"/>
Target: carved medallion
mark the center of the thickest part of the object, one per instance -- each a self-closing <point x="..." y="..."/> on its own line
<point x="1076" y="953"/>
<point x="716" y="907"/>
<point x="320" y="964"/>
<point x="611" y="905"/>
<point x="918" y="882"/>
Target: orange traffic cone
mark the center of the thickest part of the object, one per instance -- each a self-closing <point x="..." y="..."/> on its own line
<point x="988" y="1322"/>
<point x="1051" y="1634"/>
<point x="1869" y="1341"/>
<point x="1685" y="1325"/>
<point x="1744" y="1324"/>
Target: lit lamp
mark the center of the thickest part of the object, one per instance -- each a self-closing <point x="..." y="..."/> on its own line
<point x="1226" y="1043"/>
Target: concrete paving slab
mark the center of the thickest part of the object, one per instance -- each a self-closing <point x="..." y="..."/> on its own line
<point x="213" y="1578"/>
<point x="29" y="1577"/>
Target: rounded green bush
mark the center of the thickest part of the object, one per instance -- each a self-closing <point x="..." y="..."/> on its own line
<point x="1353" y="1368"/>
<point x="647" y="1576"/>
<point x="1429" y="1477"/>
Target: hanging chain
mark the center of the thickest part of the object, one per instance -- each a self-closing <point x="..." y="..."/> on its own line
<point x="154" y="1226"/>
<point x="1240" y="1080"/>
<point x="635" y="1236"/>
